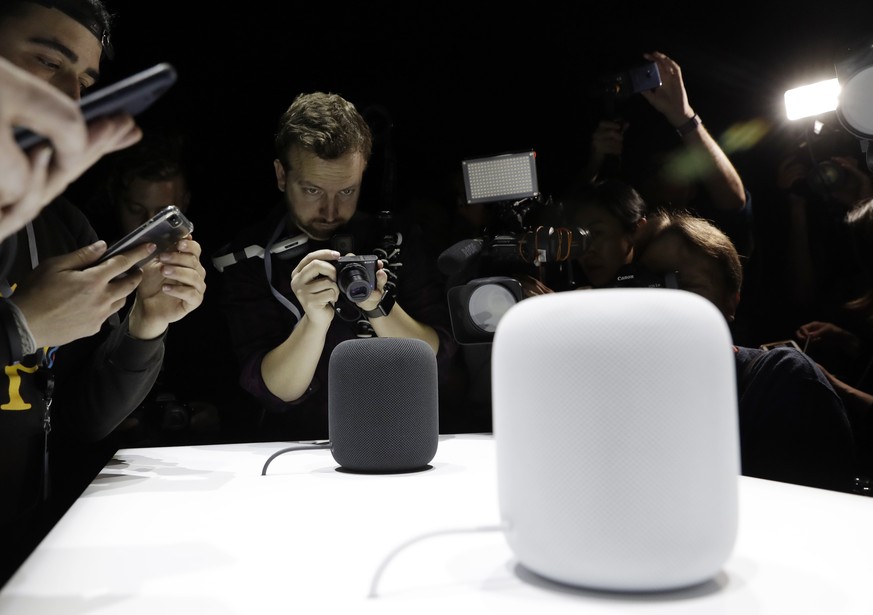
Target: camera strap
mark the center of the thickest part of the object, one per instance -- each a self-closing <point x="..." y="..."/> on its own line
<point x="45" y="378"/>
<point x="268" y="269"/>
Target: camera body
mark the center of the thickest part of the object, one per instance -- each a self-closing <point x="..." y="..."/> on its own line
<point x="828" y="176"/>
<point x="824" y="176"/>
<point x="518" y="233"/>
<point x="356" y="276"/>
<point x="635" y="276"/>
<point x="521" y="236"/>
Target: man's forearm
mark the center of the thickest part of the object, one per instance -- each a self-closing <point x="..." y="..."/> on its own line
<point x="288" y="369"/>
<point x="722" y="182"/>
<point x="400" y="324"/>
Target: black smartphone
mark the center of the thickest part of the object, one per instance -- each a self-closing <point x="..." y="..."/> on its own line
<point x="165" y="228"/>
<point x="633" y="80"/>
<point x="644" y="77"/>
<point x="133" y="94"/>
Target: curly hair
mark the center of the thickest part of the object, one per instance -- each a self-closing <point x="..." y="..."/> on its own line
<point x="324" y="123"/>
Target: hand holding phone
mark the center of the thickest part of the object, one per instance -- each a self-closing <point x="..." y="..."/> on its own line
<point x="30" y="179"/>
<point x="164" y="229"/>
<point x="132" y="95"/>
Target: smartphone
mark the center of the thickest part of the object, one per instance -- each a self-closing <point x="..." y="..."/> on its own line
<point x="165" y="228"/>
<point x="133" y="94"/>
<point x="644" y="77"/>
<point x="788" y="343"/>
<point x="636" y="79"/>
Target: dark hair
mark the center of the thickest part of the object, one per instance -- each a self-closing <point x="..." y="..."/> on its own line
<point x="615" y="196"/>
<point x="702" y="236"/>
<point x="161" y="154"/>
<point x="92" y="14"/>
<point x="324" y="123"/>
<point x="158" y="156"/>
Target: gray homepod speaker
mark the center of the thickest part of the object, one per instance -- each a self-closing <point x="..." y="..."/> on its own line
<point x="383" y="404"/>
<point x="616" y="428"/>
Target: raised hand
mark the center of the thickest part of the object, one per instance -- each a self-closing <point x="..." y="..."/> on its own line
<point x="671" y="99"/>
<point x="30" y="180"/>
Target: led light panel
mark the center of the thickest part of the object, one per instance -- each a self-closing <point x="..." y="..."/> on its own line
<point x="500" y="178"/>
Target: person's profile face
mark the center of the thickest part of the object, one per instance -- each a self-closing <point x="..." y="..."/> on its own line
<point x="609" y="246"/>
<point x="322" y="195"/>
<point x="53" y="47"/>
<point x="143" y="198"/>
<point x="697" y="272"/>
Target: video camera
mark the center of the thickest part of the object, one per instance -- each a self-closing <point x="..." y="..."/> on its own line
<point x="512" y="238"/>
<point x="513" y="243"/>
<point x="816" y="149"/>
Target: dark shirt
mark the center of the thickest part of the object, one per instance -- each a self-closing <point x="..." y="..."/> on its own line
<point x="99" y="380"/>
<point x="793" y="425"/>
<point x="258" y="322"/>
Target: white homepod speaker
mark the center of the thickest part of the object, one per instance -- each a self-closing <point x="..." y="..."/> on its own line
<point x="616" y="427"/>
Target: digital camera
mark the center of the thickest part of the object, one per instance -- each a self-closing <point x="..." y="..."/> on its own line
<point x="356" y="276"/>
<point x="634" y="275"/>
<point x="817" y="150"/>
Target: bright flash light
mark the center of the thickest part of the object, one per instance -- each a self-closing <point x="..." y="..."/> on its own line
<point x="812" y="99"/>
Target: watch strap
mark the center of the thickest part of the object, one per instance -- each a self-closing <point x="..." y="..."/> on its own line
<point x="689" y="126"/>
<point x="387" y="302"/>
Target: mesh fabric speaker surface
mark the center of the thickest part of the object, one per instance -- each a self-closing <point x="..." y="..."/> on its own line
<point x="383" y="410"/>
<point x="615" y="419"/>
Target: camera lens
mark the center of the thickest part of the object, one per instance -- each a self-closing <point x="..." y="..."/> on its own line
<point x="354" y="284"/>
<point x="487" y="305"/>
<point x="826" y="175"/>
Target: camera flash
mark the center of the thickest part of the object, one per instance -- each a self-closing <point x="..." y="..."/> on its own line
<point x="813" y="99"/>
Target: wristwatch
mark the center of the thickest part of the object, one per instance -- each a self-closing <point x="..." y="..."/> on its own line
<point x="689" y="126"/>
<point x="387" y="302"/>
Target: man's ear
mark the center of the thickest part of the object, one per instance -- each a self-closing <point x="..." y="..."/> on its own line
<point x="280" y="174"/>
<point x="637" y="234"/>
<point x="731" y="307"/>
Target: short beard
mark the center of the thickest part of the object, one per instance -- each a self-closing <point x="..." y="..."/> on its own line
<point x="309" y="231"/>
<point x="313" y="234"/>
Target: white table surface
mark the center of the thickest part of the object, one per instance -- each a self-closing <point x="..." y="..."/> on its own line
<point x="197" y="529"/>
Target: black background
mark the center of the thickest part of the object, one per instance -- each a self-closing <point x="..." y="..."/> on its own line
<point x="458" y="82"/>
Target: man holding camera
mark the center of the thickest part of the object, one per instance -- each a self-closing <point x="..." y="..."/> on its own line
<point x="287" y="312"/>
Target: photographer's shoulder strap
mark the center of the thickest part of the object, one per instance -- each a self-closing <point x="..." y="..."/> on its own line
<point x="268" y="269"/>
